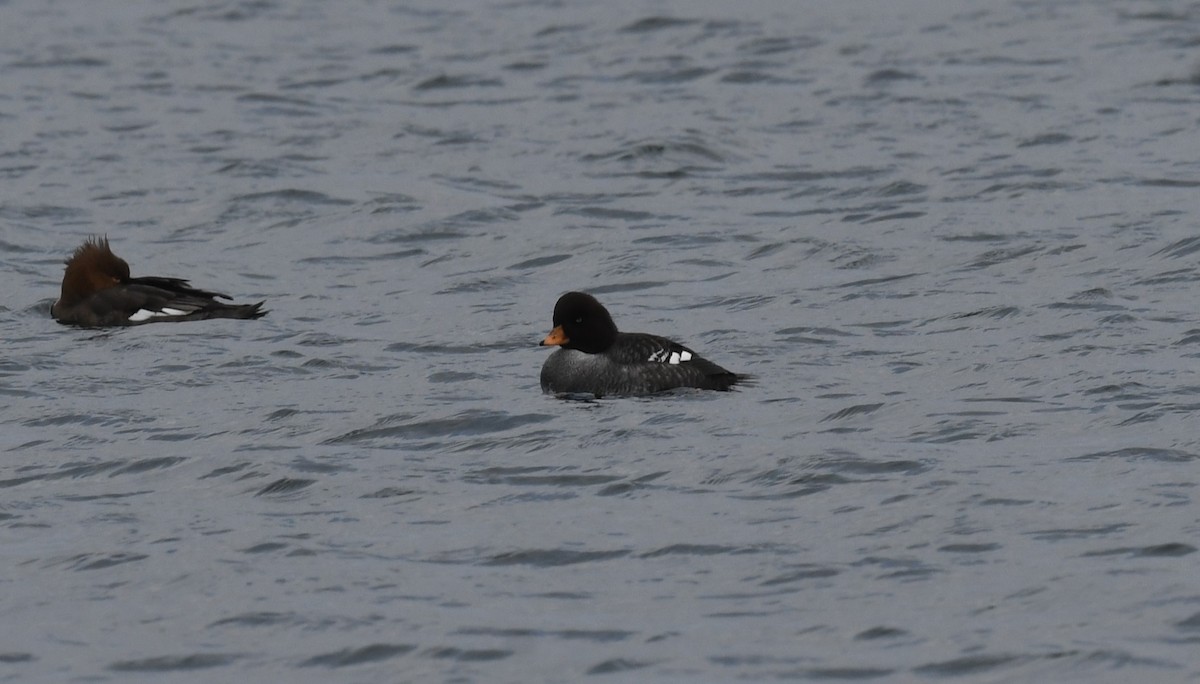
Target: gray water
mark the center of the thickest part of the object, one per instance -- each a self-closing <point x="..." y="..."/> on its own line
<point x="957" y="243"/>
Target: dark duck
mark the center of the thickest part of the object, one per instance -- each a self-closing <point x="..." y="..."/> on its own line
<point x="97" y="291"/>
<point x="593" y="357"/>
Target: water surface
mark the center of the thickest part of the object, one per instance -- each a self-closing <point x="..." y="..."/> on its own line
<point x="957" y="244"/>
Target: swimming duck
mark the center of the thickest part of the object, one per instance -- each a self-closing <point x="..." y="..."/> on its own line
<point x="595" y="358"/>
<point x="98" y="291"/>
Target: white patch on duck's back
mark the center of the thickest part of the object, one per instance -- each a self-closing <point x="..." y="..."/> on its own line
<point x="145" y="314"/>
<point x="673" y="358"/>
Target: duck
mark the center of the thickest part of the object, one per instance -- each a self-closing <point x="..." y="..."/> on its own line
<point x="593" y="357"/>
<point x="97" y="291"/>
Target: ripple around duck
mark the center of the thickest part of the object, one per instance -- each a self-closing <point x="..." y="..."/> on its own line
<point x="292" y="196"/>
<point x="1180" y="248"/>
<point x="972" y="665"/>
<point x="348" y="657"/>
<point x="861" y="409"/>
<point x="637" y="286"/>
<point x="1134" y="454"/>
<point x="526" y="476"/>
<point x="656" y="23"/>
<point x="471" y="423"/>
<point x="600" y="636"/>
<point x="452" y="82"/>
<point x="431" y="348"/>
<point x="610" y="214"/>
<point x="259" y="619"/>
<point x="176" y="663"/>
<point x="551" y="558"/>
<point x="285" y="486"/>
<point x="1168" y="550"/>
<point x="617" y="665"/>
<point x="467" y="655"/>
<point x="98" y="561"/>
<point x="696" y="550"/>
<point x="113" y="468"/>
<point x="539" y="262"/>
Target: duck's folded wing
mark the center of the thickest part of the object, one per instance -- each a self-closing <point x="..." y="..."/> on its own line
<point x="646" y="348"/>
<point x="139" y="303"/>
<point x="176" y="285"/>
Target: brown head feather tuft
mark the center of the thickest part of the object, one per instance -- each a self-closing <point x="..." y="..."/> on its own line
<point x="91" y="268"/>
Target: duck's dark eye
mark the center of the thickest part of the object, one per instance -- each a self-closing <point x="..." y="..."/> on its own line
<point x="579" y="319"/>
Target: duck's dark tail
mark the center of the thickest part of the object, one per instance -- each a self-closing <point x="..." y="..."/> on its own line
<point x="219" y="310"/>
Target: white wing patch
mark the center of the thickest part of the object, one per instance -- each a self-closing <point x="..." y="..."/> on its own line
<point x="673" y="358"/>
<point x="146" y="314"/>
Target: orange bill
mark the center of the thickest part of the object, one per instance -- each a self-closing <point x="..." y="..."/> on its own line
<point x="556" y="337"/>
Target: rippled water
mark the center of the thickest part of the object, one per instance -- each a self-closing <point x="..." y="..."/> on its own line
<point x="956" y="242"/>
